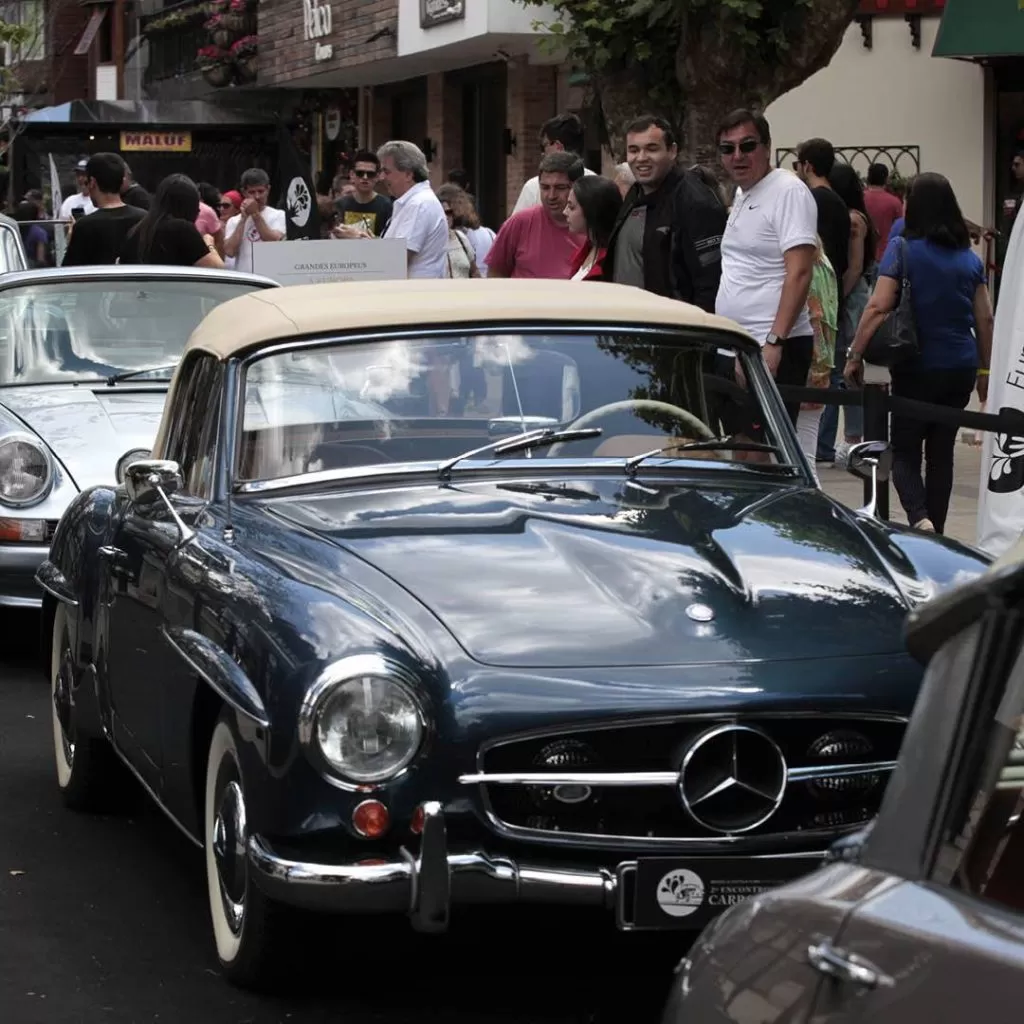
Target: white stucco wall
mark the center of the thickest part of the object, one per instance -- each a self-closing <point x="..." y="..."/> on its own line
<point x="891" y="95"/>
<point x="493" y="17"/>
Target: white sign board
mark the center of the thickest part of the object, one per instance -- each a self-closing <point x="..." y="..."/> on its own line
<point x="325" y="260"/>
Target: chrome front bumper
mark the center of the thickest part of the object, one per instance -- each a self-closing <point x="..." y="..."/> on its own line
<point x="18" y="565"/>
<point x="425" y="885"/>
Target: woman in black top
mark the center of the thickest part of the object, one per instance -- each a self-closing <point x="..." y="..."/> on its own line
<point x="168" y="233"/>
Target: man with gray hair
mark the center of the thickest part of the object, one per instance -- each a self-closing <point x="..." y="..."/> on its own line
<point x="417" y="216"/>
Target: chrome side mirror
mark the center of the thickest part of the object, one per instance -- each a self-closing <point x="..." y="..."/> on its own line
<point x="871" y="460"/>
<point x="155" y="480"/>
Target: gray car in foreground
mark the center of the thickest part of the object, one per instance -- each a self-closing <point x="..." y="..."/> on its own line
<point x="922" y="918"/>
<point x="86" y="356"/>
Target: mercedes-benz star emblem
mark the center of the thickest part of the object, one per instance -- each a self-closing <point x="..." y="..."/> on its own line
<point x="732" y="779"/>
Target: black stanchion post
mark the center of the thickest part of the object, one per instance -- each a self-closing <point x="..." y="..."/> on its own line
<point x="876" y="428"/>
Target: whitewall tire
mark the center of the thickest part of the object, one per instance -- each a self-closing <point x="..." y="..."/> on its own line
<point x="252" y="934"/>
<point x="88" y="774"/>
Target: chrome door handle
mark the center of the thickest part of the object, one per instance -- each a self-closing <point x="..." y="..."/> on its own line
<point x="845" y="966"/>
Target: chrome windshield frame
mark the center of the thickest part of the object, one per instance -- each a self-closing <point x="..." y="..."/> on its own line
<point x="776" y="417"/>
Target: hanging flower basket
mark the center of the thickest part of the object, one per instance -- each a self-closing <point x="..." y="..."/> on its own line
<point x="218" y="75"/>
<point x="222" y="37"/>
<point x="248" y="68"/>
<point x="233" y="22"/>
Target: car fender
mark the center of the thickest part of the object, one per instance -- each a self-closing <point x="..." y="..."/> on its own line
<point x="215" y="667"/>
<point x="71" y="572"/>
<point x="922" y="565"/>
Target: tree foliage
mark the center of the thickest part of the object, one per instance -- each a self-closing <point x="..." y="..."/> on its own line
<point x="694" y="60"/>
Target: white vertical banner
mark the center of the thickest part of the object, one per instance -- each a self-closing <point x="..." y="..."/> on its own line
<point x="1001" y="492"/>
<point x="60" y="241"/>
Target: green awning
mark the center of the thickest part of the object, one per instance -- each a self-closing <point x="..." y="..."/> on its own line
<point x="981" y="28"/>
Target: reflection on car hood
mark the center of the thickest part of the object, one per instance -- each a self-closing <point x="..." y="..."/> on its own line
<point x="88" y="427"/>
<point x="612" y="573"/>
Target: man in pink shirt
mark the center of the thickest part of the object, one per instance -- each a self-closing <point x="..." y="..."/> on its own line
<point x="536" y="241"/>
<point x="883" y="207"/>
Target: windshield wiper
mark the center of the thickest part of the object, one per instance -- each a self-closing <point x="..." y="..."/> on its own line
<point x="714" y="444"/>
<point x="130" y="374"/>
<point x="520" y="443"/>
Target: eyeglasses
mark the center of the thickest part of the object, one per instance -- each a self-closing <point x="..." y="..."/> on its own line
<point x="447" y="212"/>
<point x="365" y="174"/>
<point x="745" y="146"/>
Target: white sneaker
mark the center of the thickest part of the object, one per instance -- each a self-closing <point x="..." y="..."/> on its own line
<point x="842" y="454"/>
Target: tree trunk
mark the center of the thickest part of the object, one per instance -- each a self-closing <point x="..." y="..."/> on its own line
<point x="624" y="96"/>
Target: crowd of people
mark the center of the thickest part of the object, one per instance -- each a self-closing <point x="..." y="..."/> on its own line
<point x="808" y="260"/>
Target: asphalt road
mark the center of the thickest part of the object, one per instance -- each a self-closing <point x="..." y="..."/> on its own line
<point x="103" y="920"/>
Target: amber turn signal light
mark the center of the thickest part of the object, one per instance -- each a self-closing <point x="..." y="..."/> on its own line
<point x="371" y="819"/>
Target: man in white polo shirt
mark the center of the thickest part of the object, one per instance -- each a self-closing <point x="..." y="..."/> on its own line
<point x="768" y="251"/>
<point x="417" y="216"/>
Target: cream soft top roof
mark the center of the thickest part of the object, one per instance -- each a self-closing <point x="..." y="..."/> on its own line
<point x="277" y="314"/>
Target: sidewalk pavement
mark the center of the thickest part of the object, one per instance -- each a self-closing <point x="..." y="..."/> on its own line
<point x="963" y="506"/>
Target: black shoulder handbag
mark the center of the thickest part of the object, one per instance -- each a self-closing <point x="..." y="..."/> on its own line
<point x="896" y="341"/>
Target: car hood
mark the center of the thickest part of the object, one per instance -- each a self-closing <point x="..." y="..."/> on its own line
<point x="88" y="428"/>
<point x="610" y="573"/>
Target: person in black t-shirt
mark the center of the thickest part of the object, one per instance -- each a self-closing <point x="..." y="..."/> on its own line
<point x="97" y="237"/>
<point x="132" y="192"/>
<point x="814" y="161"/>
<point x="364" y="214"/>
<point x="168" y="234"/>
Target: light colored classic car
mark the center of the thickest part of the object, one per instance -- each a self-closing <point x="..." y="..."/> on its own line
<point x="86" y="355"/>
<point x="12" y="249"/>
<point x="434" y="593"/>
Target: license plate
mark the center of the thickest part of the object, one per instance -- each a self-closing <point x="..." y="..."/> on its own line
<point x="687" y="892"/>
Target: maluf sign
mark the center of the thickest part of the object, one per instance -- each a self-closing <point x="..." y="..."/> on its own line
<point x="156" y="142"/>
<point x="316" y="26"/>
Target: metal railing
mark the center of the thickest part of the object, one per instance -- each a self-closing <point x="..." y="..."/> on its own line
<point x="904" y="160"/>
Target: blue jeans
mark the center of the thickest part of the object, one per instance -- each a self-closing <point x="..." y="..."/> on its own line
<point x="853" y="415"/>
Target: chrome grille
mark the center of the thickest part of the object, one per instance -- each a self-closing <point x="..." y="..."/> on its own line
<point x="694" y="779"/>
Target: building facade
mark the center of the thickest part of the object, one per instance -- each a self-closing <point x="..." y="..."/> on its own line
<point x="467" y="81"/>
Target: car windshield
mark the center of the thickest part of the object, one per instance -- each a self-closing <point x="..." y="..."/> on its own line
<point x="354" y="405"/>
<point x="64" y="331"/>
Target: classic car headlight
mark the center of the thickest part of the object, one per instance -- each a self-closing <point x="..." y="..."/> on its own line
<point x="26" y="470"/>
<point x="363" y="721"/>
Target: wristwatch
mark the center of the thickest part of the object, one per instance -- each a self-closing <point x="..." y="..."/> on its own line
<point x="773" y="339"/>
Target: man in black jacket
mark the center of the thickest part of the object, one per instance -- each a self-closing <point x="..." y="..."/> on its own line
<point x="668" y="235"/>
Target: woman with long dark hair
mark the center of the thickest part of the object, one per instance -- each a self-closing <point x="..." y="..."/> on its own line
<point x="168" y="233"/>
<point x="591" y="210"/>
<point x="953" y="315"/>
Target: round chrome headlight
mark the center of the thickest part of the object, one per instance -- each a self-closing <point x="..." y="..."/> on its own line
<point x="135" y="455"/>
<point x="26" y="470"/>
<point x="366" y="727"/>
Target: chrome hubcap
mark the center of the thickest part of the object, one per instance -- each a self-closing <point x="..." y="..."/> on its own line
<point x="229" y="836"/>
<point x="63" y="705"/>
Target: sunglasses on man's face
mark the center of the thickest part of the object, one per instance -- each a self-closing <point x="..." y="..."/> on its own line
<point x="447" y="212"/>
<point x="744" y="146"/>
<point x="227" y="206"/>
<point x="365" y="174"/>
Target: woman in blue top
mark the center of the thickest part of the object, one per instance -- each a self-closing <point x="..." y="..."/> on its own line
<point x="953" y="314"/>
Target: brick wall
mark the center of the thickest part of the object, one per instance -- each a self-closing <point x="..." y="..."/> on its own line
<point x="286" y="55"/>
<point x="61" y="76"/>
<point x="532" y="98"/>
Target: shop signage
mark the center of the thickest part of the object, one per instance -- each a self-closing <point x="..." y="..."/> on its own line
<point x="437" y="12"/>
<point x="317" y="26"/>
<point x="332" y="123"/>
<point x="328" y="260"/>
<point x="156" y="142"/>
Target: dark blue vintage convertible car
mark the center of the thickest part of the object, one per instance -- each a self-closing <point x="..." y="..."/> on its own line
<point x="450" y="592"/>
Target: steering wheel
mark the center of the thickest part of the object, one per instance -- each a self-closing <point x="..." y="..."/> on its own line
<point x="633" y="405"/>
